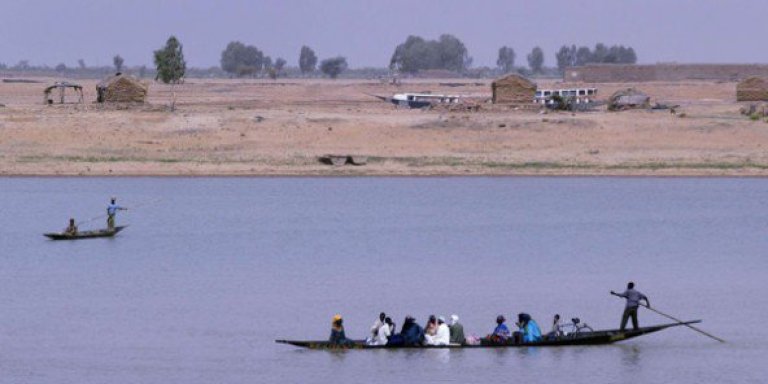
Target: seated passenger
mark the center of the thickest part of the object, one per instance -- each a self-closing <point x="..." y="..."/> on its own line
<point x="386" y="330"/>
<point x="442" y="335"/>
<point x="457" y="331"/>
<point x="412" y="333"/>
<point x="557" y="330"/>
<point x="431" y="328"/>
<point x="337" y="332"/>
<point x="501" y="334"/>
<point x="528" y="330"/>
<point x="372" y="339"/>
<point x="71" y="228"/>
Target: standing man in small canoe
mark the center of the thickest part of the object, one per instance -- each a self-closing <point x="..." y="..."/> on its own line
<point x="112" y="209"/>
<point x="633" y="301"/>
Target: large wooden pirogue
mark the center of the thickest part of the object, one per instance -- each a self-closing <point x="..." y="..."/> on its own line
<point x="582" y="338"/>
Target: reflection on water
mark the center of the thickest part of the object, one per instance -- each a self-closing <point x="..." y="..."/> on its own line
<point x="199" y="286"/>
<point x="630" y="357"/>
<point x="441" y="356"/>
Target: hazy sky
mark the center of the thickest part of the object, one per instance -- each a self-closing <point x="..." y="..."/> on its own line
<point x="366" y="32"/>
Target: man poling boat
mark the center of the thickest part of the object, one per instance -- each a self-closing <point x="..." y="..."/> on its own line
<point x="633" y="301"/>
<point x="112" y="209"/>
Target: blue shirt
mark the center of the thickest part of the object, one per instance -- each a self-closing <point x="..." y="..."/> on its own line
<point x="633" y="297"/>
<point x="502" y="330"/>
<point x="112" y="208"/>
<point x="531" y="332"/>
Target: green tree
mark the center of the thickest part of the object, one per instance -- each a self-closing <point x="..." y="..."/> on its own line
<point x="566" y="57"/>
<point x="279" y="66"/>
<point x="61" y="68"/>
<point x="536" y="59"/>
<point x="416" y="54"/>
<point x="583" y="55"/>
<point x="506" y="59"/>
<point x="117" y="61"/>
<point x="170" y="64"/>
<point x="600" y="53"/>
<point x="307" y="60"/>
<point x="81" y="64"/>
<point x="241" y="60"/>
<point x="334" y="66"/>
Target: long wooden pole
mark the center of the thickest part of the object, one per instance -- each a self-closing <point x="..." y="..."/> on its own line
<point x="683" y="323"/>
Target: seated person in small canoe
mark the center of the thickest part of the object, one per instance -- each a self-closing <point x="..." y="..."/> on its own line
<point x="71" y="228"/>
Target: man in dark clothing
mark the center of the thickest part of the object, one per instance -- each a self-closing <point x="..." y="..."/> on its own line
<point x="633" y="301"/>
<point x="412" y="333"/>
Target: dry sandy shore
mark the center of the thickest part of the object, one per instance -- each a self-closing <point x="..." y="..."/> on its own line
<point x="252" y="127"/>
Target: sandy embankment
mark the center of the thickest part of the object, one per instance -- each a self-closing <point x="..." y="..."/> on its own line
<point x="235" y="127"/>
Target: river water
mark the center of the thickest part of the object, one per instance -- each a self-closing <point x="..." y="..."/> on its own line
<point x="212" y="270"/>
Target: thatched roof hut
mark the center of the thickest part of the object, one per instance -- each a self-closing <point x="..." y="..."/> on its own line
<point x="752" y="89"/>
<point x="513" y="89"/>
<point x="629" y="98"/>
<point x="121" y="88"/>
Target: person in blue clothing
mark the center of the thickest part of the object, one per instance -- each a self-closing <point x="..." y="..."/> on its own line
<point x="528" y="331"/>
<point x="501" y="333"/>
<point x="411" y="333"/>
<point x="112" y="209"/>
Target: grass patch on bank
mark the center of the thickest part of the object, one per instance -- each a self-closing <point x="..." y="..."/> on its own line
<point x="418" y="162"/>
<point x="94" y="159"/>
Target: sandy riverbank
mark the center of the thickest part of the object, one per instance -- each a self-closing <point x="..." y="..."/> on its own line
<point x="261" y="127"/>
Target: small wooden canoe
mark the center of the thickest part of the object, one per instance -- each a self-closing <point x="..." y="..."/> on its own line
<point x="85" y="234"/>
<point x="582" y="338"/>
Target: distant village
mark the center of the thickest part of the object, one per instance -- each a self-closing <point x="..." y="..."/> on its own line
<point x="579" y="70"/>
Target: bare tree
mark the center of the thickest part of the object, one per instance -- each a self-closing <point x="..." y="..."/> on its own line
<point x="506" y="60"/>
<point x="536" y="59"/>
<point x="117" y="61"/>
<point x="307" y="60"/>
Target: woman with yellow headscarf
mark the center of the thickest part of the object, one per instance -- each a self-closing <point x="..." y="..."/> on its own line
<point x="337" y="332"/>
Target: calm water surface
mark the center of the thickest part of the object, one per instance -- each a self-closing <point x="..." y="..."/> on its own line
<point x="200" y="285"/>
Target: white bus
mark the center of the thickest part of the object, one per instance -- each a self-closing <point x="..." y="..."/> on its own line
<point x="577" y="95"/>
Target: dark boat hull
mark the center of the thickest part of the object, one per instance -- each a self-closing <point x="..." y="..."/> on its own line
<point x="586" y="338"/>
<point x="85" y="234"/>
